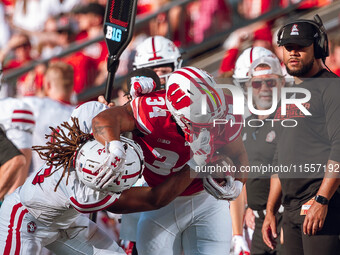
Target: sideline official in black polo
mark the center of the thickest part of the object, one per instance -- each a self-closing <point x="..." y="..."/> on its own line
<point x="311" y="195"/>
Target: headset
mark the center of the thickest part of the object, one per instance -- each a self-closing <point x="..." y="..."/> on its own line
<point x="321" y="49"/>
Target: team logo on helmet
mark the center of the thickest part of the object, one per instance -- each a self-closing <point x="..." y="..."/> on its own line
<point x="89" y="164"/>
<point x="177" y="97"/>
<point x="31" y="227"/>
<point x="193" y="100"/>
<point x="100" y="151"/>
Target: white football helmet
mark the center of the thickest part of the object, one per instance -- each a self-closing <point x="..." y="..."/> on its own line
<point x="157" y="51"/>
<point x="243" y="62"/>
<point x="90" y="158"/>
<point x="194" y="100"/>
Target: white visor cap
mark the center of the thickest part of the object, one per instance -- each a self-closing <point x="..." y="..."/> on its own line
<point x="273" y="63"/>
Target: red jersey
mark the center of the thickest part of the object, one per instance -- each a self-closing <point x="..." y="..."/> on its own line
<point x="165" y="149"/>
<point x="83" y="70"/>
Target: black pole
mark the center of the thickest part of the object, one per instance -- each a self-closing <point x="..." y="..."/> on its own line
<point x="112" y="65"/>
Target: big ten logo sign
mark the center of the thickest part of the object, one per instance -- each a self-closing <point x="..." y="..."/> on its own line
<point x="113" y="33"/>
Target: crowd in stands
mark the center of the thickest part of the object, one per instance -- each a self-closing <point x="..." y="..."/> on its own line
<point x="34" y="30"/>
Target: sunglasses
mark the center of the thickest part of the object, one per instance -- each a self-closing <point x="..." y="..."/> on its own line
<point x="271" y="83"/>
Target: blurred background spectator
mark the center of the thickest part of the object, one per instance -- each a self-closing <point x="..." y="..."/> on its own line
<point x="39" y="30"/>
<point x="55" y="101"/>
<point x="31" y="15"/>
<point x="256" y="35"/>
<point x="4" y="27"/>
<point x="17" y="53"/>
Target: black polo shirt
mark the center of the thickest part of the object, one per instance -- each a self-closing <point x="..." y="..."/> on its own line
<point x="315" y="140"/>
<point x="260" y="143"/>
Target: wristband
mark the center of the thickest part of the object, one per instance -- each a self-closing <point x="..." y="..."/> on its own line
<point x="117" y="147"/>
<point x="321" y="200"/>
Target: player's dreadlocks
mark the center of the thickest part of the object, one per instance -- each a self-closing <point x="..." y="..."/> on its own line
<point x="61" y="149"/>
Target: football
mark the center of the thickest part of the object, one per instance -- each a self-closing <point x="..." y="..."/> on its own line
<point x="220" y="167"/>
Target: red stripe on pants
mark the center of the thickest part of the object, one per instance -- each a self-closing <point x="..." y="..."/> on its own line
<point x="18" y="244"/>
<point x="10" y="230"/>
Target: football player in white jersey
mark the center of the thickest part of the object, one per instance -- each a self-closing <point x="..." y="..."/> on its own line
<point x="194" y="223"/>
<point x="46" y="210"/>
<point x="54" y="107"/>
<point x="17" y="122"/>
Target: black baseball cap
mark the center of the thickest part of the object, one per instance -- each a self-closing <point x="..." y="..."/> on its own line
<point x="299" y="32"/>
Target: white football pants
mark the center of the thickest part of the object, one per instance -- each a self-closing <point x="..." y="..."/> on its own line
<point x="198" y="224"/>
<point x="22" y="234"/>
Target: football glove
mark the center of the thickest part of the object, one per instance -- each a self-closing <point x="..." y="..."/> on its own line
<point x="239" y="246"/>
<point x="201" y="148"/>
<point x="141" y="85"/>
<point x="230" y="190"/>
<point x="112" y="166"/>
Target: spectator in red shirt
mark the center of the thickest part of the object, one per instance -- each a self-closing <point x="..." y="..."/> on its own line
<point x="257" y="35"/>
<point x="20" y="46"/>
<point x="90" y="21"/>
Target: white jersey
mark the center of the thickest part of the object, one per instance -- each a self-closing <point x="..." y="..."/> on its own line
<point x="42" y="217"/>
<point x="17" y="120"/>
<point x="60" y="208"/>
<point x="47" y="113"/>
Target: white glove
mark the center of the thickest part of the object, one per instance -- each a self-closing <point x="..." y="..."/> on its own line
<point x="229" y="191"/>
<point x="239" y="246"/>
<point x="201" y="148"/>
<point x="141" y="85"/>
<point x="112" y="166"/>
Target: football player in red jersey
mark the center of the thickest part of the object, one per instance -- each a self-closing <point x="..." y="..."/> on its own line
<point x="170" y="128"/>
